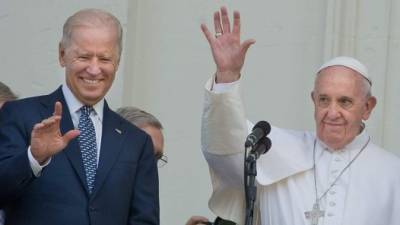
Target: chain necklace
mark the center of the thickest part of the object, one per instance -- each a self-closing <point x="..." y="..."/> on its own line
<point x="316" y="212"/>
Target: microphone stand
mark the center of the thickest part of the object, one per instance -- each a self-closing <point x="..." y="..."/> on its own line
<point x="250" y="173"/>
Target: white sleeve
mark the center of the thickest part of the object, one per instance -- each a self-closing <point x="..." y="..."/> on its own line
<point x="224" y="130"/>
<point x="223" y="134"/>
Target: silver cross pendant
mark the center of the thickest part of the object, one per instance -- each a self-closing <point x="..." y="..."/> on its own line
<point x="314" y="214"/>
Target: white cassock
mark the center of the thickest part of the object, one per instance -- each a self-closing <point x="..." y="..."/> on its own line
<point x="367" y="193"/>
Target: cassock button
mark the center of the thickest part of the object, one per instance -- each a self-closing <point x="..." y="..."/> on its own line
<point x="332" y="192"/>
<point x="92" y="209"/>
<point x="338" y="159"/>
<point x="330" y="214"/>
<point x="332" y="204"/>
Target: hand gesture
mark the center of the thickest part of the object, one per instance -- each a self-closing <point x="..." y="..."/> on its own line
<point x="46" y="138"/>
<point x="228" y="52"/>
<point x="194" y="220"/>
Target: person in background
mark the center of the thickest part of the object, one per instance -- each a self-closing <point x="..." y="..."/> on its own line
<point x="150" y="124"/>
<point x="5" y="95"/>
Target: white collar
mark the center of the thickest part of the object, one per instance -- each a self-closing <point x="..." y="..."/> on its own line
<point x="356" y="144"/>
<point x="74" y="104"/>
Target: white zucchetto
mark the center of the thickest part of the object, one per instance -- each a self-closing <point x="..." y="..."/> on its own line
<point x="349" y="62"/>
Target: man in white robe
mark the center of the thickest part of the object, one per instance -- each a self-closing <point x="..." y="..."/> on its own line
<point x="337" y="168"/>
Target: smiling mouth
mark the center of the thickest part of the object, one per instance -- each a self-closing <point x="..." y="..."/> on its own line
<point x="89" y="81"/>
<point x="333" y="124"/>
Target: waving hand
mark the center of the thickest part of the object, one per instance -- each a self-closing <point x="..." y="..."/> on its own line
<point x="227" y="50"/>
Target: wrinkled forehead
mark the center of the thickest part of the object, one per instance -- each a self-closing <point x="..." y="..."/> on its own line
<point x="339" y="72"/>
<point x="90" y="40"/>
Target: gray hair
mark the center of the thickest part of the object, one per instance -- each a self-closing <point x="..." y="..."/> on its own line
<point x="139" y="117"/>
<point x="367" y="88"/>
<point x="6" y="94"/>
<point x="91" y="18"/>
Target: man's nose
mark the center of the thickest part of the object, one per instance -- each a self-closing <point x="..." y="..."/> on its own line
<point x="94" y="67"/>
<point x="333" y="110"/>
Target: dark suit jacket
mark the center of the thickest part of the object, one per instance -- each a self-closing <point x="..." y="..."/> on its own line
<point x="126" y="185"/>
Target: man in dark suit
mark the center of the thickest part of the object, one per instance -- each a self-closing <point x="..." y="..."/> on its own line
<point x="66" y="158"/>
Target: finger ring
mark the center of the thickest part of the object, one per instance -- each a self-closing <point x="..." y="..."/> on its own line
<point x="218" y="34"/>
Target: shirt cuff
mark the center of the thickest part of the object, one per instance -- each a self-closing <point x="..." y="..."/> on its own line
<point x="222" y="87"/>
<point x="36" y="167"/>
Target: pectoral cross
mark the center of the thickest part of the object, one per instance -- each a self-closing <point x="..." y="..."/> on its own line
<point x="314" y="214"/>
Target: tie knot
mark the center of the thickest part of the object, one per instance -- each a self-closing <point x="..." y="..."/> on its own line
<point x="86" y="110"/>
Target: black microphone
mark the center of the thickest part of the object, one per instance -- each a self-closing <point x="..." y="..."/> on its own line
<point x="262" y="147"/>
<point x="260" y="130"/>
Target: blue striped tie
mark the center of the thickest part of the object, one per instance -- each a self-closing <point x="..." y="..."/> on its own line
<point x="87" y="143"/>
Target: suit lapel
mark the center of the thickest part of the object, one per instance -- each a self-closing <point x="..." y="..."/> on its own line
<point x="112" y="137"/>
<point x="72" y="150"/>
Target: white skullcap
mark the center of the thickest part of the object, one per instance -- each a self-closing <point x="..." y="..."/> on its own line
<point x="348" y="62"/>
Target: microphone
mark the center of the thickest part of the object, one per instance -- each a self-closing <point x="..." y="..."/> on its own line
<point x="262" y="147"/>
<point x="260" y="130"/>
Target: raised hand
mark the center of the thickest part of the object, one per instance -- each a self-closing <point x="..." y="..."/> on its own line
<point x="228" y="52"/>
<point x="46" y="138"/>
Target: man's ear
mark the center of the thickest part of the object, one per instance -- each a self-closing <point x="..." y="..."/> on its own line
<point x="61" y="54"/>
<point x="369" y="106"/>
<point x="312" y="96"/>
